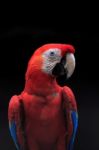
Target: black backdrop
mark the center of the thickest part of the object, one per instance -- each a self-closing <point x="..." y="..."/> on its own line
<point x="17" y="44"/>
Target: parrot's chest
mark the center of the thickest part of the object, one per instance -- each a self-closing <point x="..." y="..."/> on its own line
<point x="43" y="108"/>
<point x="44" y="117"/>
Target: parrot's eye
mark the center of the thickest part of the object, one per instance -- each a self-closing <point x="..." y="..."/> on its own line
<point x="52" y="53"/>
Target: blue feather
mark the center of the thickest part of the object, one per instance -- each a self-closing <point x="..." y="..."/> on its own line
<point x="12" y="127"/>
<point x="74" y="117"/>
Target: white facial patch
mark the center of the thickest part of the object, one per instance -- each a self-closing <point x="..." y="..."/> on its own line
<point x="50" y="58"/>
<point x="70" y="64"/>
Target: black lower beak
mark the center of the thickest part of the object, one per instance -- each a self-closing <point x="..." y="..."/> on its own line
<point x="59" y="70"/>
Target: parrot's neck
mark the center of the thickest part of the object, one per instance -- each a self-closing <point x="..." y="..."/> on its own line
<point x="41" y="84"/>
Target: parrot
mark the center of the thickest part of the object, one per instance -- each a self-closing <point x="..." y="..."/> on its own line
<point x="44" y="116"/>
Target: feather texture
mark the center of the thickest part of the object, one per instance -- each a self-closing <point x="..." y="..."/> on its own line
<point x="74" y="117"/>
<point x="12" y="127"/>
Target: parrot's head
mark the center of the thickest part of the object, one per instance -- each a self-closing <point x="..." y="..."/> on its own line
<point x="53" y="60"/>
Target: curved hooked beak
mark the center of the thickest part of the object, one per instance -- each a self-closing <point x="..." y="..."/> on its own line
<point x="66" y="66"/>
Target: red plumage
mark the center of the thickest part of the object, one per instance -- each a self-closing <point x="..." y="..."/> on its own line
<point x="44" y="126"/>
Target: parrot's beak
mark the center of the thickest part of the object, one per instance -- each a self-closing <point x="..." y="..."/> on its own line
<point x="60" y="69"/>
<point x="65" y="67"/>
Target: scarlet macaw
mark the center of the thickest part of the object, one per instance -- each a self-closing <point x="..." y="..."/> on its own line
<point x="44" y="116"/>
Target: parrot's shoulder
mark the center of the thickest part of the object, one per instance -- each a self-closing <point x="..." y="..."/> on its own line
<point x="14" y="101"/>
<point x="13" y="106"/>
<point x="68" y="96"/>
<point x="68" y="92"/>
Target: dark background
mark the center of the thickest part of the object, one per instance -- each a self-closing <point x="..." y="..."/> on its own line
<point x="18" y="42"/>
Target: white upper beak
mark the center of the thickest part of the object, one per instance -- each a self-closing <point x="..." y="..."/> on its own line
<point x="70" y="64"/>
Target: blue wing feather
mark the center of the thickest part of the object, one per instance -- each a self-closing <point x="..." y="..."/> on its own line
<point x="74" y="117"/>
<point x="12" y="127"/>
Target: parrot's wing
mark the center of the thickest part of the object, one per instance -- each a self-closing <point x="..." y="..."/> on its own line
<point x="12" y="127"/>
<point x="16" y="121"/>
<point x="74" y="117"/>
<point x="71" y="116"/>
